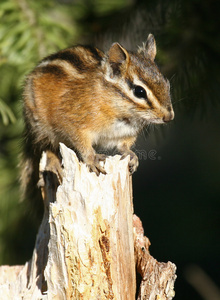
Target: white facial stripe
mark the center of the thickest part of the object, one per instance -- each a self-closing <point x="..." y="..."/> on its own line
<point x="155" y="102"/>
<point x="123" y="85"/>
<point x="130" y="94"/>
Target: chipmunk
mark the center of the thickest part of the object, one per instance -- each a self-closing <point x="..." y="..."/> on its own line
<point x="83" y="97"/>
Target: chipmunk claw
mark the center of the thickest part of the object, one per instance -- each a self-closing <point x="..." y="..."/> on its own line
<point x="94" y="165"/>
<point x="133" y="163"/>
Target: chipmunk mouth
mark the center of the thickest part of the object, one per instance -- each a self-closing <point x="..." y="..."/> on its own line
<point x="161" y="120"/>
<point x="164" y="115"/>
<point x="152" y="120"/>
<point x="165" y="118"/>
<point x="156" y="121"/>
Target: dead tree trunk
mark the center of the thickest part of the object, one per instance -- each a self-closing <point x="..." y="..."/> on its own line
<point x="89" y="244"/>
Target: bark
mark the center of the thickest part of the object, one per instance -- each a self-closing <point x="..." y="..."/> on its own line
<point x="89" y="244"/>
<point x="157" y="278"/>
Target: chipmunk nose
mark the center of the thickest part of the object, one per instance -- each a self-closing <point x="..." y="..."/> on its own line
<point x="169" y="116"/>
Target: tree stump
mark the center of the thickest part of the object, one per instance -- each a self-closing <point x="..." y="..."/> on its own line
<point x="90" y="243"/>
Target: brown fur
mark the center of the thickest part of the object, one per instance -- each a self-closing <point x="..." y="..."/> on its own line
<point x="83" y="97"/>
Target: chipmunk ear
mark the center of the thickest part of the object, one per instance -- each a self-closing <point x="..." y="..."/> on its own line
<point x="118" y="58"/>
<point x="149" y="48"/>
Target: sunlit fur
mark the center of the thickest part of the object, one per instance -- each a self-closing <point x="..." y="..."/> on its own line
<point x="83" y="97"/>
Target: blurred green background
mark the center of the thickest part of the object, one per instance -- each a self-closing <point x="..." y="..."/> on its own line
<point x="177" y="186"/>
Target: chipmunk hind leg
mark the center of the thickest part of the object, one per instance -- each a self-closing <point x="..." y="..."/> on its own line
<point x="53" y="164"/>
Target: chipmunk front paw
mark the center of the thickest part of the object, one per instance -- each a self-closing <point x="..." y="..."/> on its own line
<point x="94" y="163"/>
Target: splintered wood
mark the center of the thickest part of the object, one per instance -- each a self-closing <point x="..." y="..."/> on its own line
<point x="91" y="252"/>
<point x="92" y="244"/>
<point x="157" y="278"/>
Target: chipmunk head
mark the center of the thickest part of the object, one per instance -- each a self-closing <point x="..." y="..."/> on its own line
<point x="139" y="81"/>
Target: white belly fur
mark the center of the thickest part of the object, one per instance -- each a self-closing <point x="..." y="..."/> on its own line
<point x="118" y="131"/>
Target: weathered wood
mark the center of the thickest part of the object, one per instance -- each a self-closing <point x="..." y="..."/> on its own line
<point x="91" y="253"/>
<point x="88" y="241"/>
<point x="157" y="278"/>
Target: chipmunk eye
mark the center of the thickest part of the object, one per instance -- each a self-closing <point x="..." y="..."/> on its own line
<point x="140" y="92"/>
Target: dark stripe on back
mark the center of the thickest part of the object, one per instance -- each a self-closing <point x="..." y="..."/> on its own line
<point x="94" y="52"/>
<point x="70" y="57"/>
<point x="52" y="69"/>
